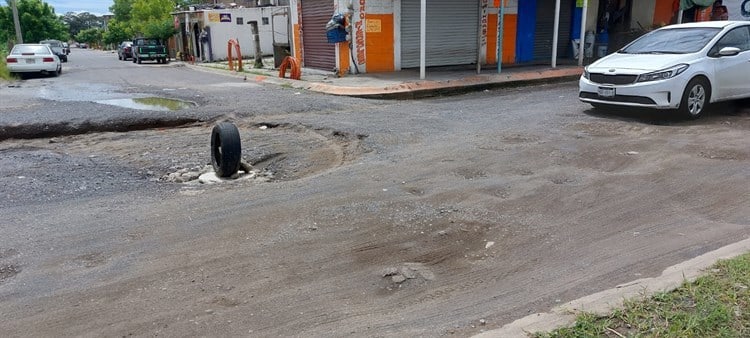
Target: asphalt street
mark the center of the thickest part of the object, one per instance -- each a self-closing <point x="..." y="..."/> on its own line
<point x="447" y="215"/>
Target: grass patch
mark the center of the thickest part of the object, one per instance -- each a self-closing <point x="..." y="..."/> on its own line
<point x="716" y="304"/>
<point x="4" y="73"/>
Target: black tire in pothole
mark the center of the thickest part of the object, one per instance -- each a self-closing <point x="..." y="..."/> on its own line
<point x="226" y="149"/>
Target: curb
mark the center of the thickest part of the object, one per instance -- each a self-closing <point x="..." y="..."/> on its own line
<point x="419" y="88"/>
<point x="602" y="303"/>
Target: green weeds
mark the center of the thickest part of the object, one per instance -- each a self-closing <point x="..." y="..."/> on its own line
<point x="714" y="305"/>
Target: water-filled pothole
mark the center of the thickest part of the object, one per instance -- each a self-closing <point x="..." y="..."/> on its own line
<point x="149" y="103"/>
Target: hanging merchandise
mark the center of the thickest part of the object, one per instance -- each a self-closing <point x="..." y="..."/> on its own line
<point x="336" y="29"/>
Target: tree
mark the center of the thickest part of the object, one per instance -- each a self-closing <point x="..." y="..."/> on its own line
<point x="91" y="36"/>
<point x="117" y="32"/>
<point x="38" y="22"/>
<point x="121" y="10"/>
<point x="152" y="17"/>
<point x="80" y="21"/>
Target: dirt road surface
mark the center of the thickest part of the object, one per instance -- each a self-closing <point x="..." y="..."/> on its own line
<point x="361" y="223"/>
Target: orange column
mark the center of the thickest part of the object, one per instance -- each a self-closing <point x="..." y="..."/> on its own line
<point x="510" y="24"/>
<point x="492" y="39"/>
<point x="344" y="58"/>
<point x="509" y="38"/>
<point x="297" y="42"/>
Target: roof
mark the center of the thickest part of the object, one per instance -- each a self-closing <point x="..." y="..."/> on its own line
<point x="707" y="24"/>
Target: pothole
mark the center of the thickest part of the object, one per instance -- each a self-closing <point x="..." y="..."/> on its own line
<point x="274" y="152"/>
<point x="149" y="103"/>
<point x="8" y="271"/>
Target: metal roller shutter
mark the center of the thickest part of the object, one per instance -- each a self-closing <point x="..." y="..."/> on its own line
<point x="452" y="29"/>
<point x="545" y="26"/>
<point x="318" y="53"/>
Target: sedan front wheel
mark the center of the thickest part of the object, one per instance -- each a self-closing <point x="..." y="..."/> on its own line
<point x="696" y="98"/>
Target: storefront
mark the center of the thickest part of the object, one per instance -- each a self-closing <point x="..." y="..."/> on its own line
<point x="317" y="53"/>
<point x="452" y="33"/>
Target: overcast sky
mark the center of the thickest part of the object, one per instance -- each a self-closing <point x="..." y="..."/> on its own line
<point x="97" y="7"/>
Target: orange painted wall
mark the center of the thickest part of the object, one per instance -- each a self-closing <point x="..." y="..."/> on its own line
<point x="379" y="45"/>
<point x="344" y="58"/>
<point x="491" y="38"/>
<point x="510" y="25"/>
<point x="509" y="38"/>
<point x="663" y="12"/>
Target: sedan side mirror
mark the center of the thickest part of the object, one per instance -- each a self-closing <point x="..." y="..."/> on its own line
<point x="729" y="51"/>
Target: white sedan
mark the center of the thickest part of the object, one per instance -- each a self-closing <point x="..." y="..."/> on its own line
<point x="684" y="67"/>
<point x="33" y="58"/>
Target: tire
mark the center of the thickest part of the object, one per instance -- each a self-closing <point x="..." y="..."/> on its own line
<point x="695" y="99"/>
<point x="226" y="149"/>
<point x="134" y="59"/>
<point x="139" y="61"/>
<point x="119" y="57"/>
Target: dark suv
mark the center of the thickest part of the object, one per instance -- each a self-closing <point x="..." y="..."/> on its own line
<point x="125" y="50"/>
<point x="57" y="47"/>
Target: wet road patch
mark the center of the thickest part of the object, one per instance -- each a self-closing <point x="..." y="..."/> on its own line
<point x="149" y="103"/>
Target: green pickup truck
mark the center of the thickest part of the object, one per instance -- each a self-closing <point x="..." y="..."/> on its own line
<point x="149" y="49"/>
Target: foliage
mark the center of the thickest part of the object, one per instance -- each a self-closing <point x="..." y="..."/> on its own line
<point x="92" y="36"/>
<point x="4" y="74"/>
<point x="159" y="29"/>
<point x="121" y="10"/>
<point x="80" y="21"/>
<point x="715" y="305"/>
<point x="117" y="32"/>
<point x="38" y="22"/>
<point x="149" y="17"/>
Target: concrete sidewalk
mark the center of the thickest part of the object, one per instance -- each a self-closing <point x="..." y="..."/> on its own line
<point x="406" y="84"/>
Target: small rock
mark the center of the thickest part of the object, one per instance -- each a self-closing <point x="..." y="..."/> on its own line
<point x="488" y="245"/>
<point x="632" y="153"/>
<point x="209" y="311"/>
<point x="408" y="273"/>
<point x="482" y="322"/>
<point x="389" y="272"/>
<point x="398" y="279"/>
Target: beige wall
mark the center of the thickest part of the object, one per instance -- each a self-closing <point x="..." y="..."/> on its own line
<point x="643" y="13"/>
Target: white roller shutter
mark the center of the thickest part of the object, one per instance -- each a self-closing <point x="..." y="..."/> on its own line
<point x="452" y="30"/>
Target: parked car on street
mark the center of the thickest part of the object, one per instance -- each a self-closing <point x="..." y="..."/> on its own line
<point x="57" y="48"/>
<point x="149" y="49"/>
<point x="33" y="58"/>
<point x="66" y="48"/>
<point x="685" y="67"/>
<point x="125" y="50"/>
<point x="83" y="45"/>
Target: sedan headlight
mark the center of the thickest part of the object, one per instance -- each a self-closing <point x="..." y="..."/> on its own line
<point x="586" y="74"/>
<point x="663" y="74"/>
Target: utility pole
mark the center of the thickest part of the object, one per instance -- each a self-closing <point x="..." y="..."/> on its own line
<point x="16" y="22"/>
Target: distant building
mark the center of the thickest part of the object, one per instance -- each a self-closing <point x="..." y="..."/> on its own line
<point x="205" y="30"/>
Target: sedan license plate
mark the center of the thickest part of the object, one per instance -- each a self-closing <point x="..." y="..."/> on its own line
<point x="606" y="92"/>
<point x="30" y="61"/>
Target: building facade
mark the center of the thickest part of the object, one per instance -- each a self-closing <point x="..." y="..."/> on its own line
<point x="204" y="34"/>
<point x="385" y="35"/>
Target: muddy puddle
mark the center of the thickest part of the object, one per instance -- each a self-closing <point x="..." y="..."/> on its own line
<point x="149" y="103"/>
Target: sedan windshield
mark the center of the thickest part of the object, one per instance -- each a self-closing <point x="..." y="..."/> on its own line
<point x="672" y="41"/>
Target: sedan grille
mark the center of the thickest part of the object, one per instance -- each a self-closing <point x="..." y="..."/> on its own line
<point x="612" y="79"/>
